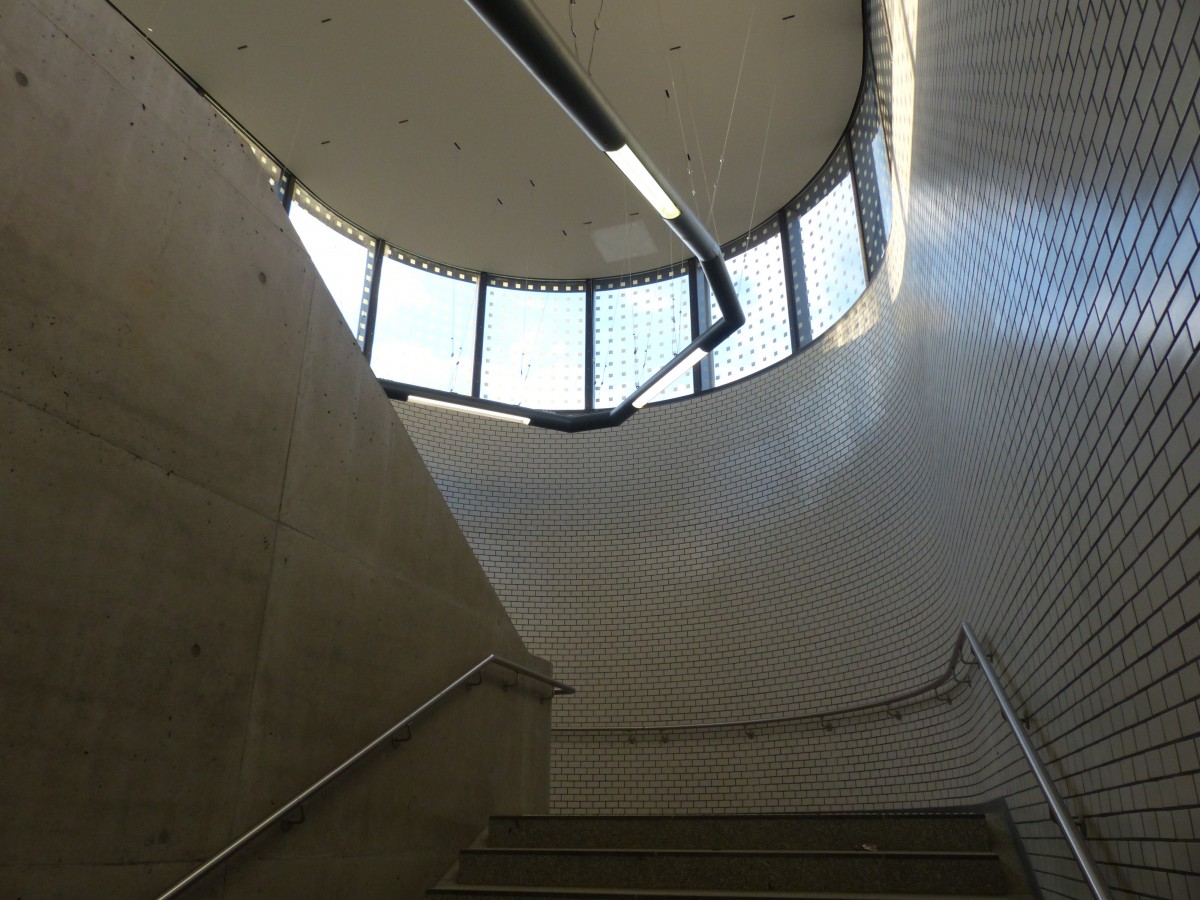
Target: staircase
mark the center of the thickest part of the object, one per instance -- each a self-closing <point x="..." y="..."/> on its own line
<point x="827" y="856"/>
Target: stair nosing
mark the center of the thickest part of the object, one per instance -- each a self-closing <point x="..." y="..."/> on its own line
<point x="700" y="851"/>
<point x="705" y="817"/>
<point x="550" y="890"/>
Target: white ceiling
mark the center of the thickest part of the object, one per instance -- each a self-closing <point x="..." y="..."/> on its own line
<point x="765" y="85"/>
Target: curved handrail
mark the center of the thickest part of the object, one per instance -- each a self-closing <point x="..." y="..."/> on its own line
<point x="965" y="637"/>
<point x="1057" y="808"/>
<point x="192" y="877"/>
<point x="886" y="702"/>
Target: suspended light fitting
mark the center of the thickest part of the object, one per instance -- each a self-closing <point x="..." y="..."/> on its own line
<point x="661" y="383"/>
<point x="473" y="410"/>
<point x="640" y="177"/>
<point x="533" y="41"/>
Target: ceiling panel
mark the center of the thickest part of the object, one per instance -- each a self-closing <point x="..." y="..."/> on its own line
<point x="411" y="119"/>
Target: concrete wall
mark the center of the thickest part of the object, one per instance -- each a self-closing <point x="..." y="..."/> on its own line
<point x="1004" y="430"/>
<point x="223" y="566"/>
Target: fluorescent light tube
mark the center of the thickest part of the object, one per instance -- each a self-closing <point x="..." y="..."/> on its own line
<point x="675" y="371"/>
<point x="474" y="410"/>
<point x="644" y="181"/>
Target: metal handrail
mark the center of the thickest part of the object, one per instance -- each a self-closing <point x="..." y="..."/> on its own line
<point x="887" y="702"/>
<point x="1057" y="808"/>
<point x="965" y="637"/>
<point x="559" y="688"/>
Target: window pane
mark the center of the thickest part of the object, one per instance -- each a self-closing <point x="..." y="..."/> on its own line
<point x="639" y="328"/>
<point x="341" y="254"/>
<point x="766" y="337"/>
<point x="874" y="187"/>
<point x="832" y="254"/>
<point x="425" y="325"/>
<point x="884" y="179"/>
<point x="533" y="345"/>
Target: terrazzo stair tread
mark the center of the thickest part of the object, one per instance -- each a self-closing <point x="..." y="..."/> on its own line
<point x="756" y="870"/>
<point x="825" y="831"/>
<point x="513" y="892"/>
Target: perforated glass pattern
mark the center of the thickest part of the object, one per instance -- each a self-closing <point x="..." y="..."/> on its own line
<point x="832" y="255"/>
<point x="533" y="346"/>
<point x="766" y="337"/>
<point x="874" y="189"/>
<point x="425" y="325"/>
<point x="883" y="179"/>
<point x="638" y="329"/>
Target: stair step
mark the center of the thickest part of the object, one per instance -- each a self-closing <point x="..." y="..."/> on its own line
<point x="920" y="872"/>
<point x="882" y="831"/>
<point x="516" y="892"/>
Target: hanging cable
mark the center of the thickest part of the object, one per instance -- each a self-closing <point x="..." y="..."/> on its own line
<point x="679" y="113"/>
<point x="729" y="126"/>
<point x="300" y="118"/>
<point x="595" y="31"/>
<point x="708" y="188"/>
<point x="528" y="362"/>
<point x="761" y="161"/>
<point x="571" y="19"/>
<point x="742" y="267"/>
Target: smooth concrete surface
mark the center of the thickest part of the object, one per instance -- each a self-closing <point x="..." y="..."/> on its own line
<point x="399" y="874"/>
<point x="72" y="882"/>
<point x="355" y="480"/>
<point x="134" y="226"/>
<point x="223" y="566"/>
<point x="386" y="657"/>
<point x="132" y="607"/>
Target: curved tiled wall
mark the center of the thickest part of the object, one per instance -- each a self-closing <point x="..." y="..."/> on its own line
<point x="1003" y="429"/>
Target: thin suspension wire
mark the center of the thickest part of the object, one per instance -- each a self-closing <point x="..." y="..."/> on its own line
<point x="667" y="143"/>
<point x="526" y="368"/>
<point x="571" y="19"/>
<point x="456" y="343"/>
<point x="678" y="110"/>
<point x="304" y="104"/>
<point x="529" y="242"/>
<point x="741" y="280"/>
<point x="303" y="114"/>
<point x="708" y="187"/>
<point x="729" y="126"/>
<point x="628" y="227"/>
<point x="637" y="353"/>
<point x="742" y="268"/>
<point x="595" y="31"/>
<point x="762" y="160"/>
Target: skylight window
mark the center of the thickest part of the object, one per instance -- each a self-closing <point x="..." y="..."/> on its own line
<point x="425" y="326"/>
<point x="342" y="255"/>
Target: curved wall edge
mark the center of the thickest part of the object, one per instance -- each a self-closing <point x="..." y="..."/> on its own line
<point x="1003" y="430"/>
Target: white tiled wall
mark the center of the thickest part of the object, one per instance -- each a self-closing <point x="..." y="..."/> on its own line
<point x="1003" y="430"/>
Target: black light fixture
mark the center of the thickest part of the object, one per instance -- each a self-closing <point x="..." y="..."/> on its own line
<point x="532" y="40"/>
